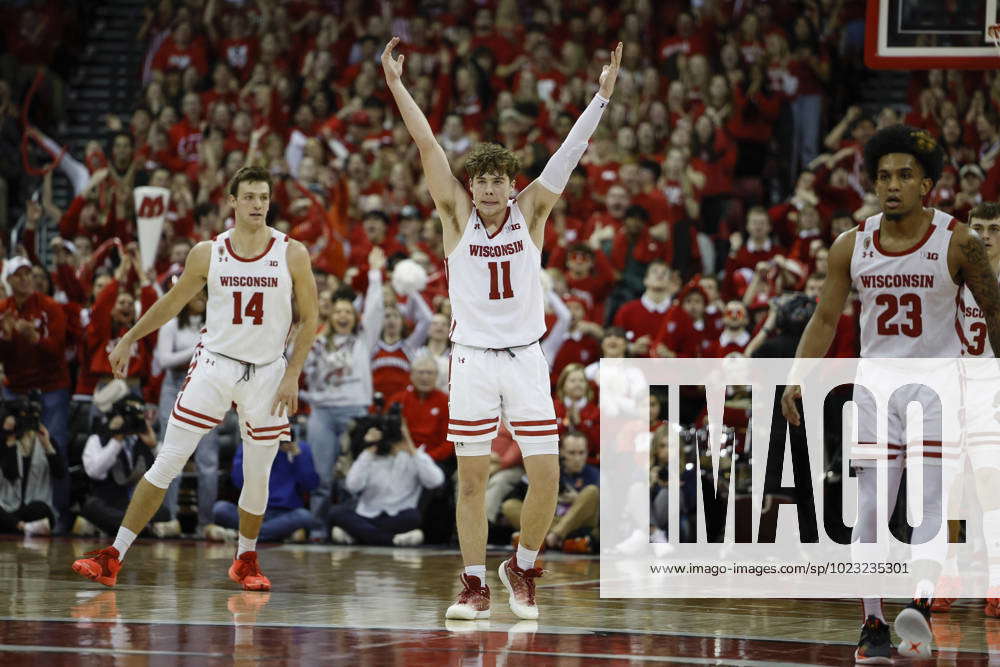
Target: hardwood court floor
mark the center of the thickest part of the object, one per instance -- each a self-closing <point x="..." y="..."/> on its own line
<point x="379" y="606"/>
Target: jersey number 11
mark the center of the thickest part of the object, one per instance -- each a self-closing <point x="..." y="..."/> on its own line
<point x="508" y="292"/>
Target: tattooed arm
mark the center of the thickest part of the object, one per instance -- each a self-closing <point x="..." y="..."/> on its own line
<point x="967" y="256"/>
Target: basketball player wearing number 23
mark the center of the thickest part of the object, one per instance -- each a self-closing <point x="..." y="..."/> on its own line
<point x="493" y="248"/>
<point x="908" y="264"/>
<point x="252" y="272"/>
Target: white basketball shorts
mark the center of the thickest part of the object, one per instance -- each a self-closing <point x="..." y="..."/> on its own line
<point x="486" y="385"/>
<point x="883" y="393"/>
<point x="215" y="383"/>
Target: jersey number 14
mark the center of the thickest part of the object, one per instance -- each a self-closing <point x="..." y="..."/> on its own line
<point x="254" y="310"/>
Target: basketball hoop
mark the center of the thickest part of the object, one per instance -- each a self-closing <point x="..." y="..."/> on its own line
<point x="994" y="32"/>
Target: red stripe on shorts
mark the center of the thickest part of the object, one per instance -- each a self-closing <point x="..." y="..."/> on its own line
<point x="265" y="429"/>
<point x="453" y="431"/>
<point x="541" y="422"/>
<point x="271" y="436"/>
<point x="552" y="432"/>
<point x="192" y="423"/>
<point x="478" y="422"/>
<point x="195" y="414"/>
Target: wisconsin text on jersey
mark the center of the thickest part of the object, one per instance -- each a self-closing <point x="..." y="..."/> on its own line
<point x="883" y="280"/>
<point x="248" y="281"/>
<point x="496" y="251"/>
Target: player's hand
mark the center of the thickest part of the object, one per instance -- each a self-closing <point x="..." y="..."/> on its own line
<point x="393" y="66"/>
<point x="608" y="75"/>
<point x="120" y="356"/>
<point x="793" y="392"/>
<point x="286" y="400"/>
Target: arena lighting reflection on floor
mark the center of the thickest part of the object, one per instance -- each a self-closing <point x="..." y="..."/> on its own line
<point x="379" y="606"/>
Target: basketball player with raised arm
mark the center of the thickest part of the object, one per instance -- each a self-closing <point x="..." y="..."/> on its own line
<point x="252" y="272"/>
<point x="493" y="248"/>
<point x="892" y="247"/>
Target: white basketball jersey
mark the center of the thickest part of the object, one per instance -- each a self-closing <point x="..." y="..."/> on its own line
<point x="976" y="341"/>
<point x="249" y="301"/>
<point x="494" y="284"/>
<point x="909" y="302"/>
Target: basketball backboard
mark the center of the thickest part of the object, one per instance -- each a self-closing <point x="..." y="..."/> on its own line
<point x="931" y="34"/>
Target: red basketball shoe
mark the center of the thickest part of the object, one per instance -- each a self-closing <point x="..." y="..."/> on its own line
<point x="102" y="567"/>
<point x="520" y="585"/>
<point x="473" y="602"/>
<point x="245" y="570"/>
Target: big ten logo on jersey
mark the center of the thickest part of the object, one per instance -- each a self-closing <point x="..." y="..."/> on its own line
<point x="515" y="226"/>
<point x="151" y="207"/>
<point x="930" y="255"/>
<point x="273" y="262"/>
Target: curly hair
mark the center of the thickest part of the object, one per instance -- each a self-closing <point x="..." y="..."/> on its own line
<point x="487" y="158"/>
<point x="909" y="140"/>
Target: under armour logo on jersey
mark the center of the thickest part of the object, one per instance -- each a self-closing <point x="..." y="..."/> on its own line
<point x="868" y="253"/>
<point x="476" y="226"/>
<point x="461" y="360"/>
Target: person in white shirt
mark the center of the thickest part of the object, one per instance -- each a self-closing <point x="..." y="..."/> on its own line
<point x="388" y="478"/>
<point x="338" y="377"/>
<point x="175" y="347"/>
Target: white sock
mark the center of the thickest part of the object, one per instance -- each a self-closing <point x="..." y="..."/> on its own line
<point x="245" y="545"/>
<point x="526" y="557"/>
<point x="478" y="571"/>
<point x="123" y="541"/>
<point x="873" y="607"/>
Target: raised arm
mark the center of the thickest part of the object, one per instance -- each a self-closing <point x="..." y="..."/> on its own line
<point x="537" y="200"/>
<point x="191" y="281"/>
<point x="818" y="334"/>
<point x="968" y="254"/>
<point x="452" y="201"/>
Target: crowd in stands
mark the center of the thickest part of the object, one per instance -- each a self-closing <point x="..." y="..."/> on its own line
<point x="728" y="161"/>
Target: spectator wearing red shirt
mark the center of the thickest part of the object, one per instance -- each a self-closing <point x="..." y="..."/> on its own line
<point x="114" y="312"/>
<point x="581" y="345"/>
<point x="605" y="223"/>
<point x="375" y="227"/>
<point x="588" y="275"/>
<point x="744" y="256"/>
<point x="33" y="353"/>
<point x="425" y="409"/>
<point x="181" y="51"/>
<point x="684" y="332"/>
<point x="577" y="410"/>
<point x="686" y="41"/>
<point x="185" y="134"/>
<point x="642" y="318"/>
<point x="734" y="337"/>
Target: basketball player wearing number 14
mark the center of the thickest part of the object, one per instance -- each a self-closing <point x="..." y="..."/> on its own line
<point x="493" y="248"/>
<point x="252" y="273"/>
<point x="908" y="264"/>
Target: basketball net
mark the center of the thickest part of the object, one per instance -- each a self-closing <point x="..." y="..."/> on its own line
<point x="994" y="32"/>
